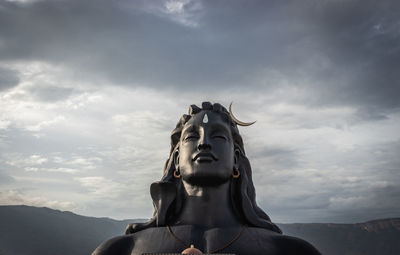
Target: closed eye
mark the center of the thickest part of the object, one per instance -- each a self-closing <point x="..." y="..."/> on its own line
<point x="192" y="136"/>
<point x="219" y="137"/>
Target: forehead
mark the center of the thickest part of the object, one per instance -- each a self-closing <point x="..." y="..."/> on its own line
<point x="212" y="120"/>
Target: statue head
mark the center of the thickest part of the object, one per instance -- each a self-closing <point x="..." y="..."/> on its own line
<point x="206" y="148"/>
<point x="205" y="151"/>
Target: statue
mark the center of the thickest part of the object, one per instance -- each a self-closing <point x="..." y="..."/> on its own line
<point x="205" y="201"/>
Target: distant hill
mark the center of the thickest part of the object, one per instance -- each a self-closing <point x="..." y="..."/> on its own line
<point x="26" y="230"/>
<point x="377" y="237"/>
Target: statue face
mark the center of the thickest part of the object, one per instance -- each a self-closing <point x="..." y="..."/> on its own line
<point x="206" y="152"/>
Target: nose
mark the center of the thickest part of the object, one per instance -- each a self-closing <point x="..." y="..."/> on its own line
<point x="203" y="144"/>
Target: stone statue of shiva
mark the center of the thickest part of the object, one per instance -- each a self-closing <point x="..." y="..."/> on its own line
<point x="205" y="202"/>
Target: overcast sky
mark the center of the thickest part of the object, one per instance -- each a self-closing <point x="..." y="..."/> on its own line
<point x="90" y="91"/>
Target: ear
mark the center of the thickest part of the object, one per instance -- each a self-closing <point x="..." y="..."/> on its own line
<point x="236" y="157"/>
<point x="176" y="158"/>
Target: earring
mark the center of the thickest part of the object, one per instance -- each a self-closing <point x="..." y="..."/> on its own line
<point x="177" y="173"/>
<point x="236" y="173"/>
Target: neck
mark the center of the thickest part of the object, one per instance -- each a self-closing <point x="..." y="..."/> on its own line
<point x="207" y="206"/>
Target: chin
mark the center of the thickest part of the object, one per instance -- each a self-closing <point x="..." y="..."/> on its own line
<point x="206" y="179"/>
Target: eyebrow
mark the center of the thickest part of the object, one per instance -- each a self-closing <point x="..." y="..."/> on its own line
<point x="190" y="128"/>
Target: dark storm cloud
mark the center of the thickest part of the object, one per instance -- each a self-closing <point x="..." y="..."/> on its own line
<point x="342" y="52"/>
<point x="362" y="39"/>
<point x="99" y="39"/>
<point x="8" y="78"/>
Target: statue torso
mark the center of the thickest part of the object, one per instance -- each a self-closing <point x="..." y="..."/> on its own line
<point x="251" y="241"/>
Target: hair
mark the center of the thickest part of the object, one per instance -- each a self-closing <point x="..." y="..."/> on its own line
<point x="167" y="193"/>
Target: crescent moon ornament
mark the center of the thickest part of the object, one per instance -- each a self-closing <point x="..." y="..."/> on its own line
<point x="240" y="123"/>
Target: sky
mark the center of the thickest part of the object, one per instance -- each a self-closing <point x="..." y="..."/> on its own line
<point x="91" y="90"/>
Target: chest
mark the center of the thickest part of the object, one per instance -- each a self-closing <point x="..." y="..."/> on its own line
<point x="227" y="241"/>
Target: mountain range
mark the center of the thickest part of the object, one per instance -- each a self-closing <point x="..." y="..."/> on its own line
<point x="27" y="230"/>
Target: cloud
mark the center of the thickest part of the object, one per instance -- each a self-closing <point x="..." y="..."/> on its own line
<point x="117" y="196"/>
<point x="101" y="187"/>
<point x="273" y="156"/>
<point x="185" y="12"/>
<point x="22" y="1"/>
<point x="174" y="6"/>
<point x="46" y="123"/>
<point x="15" y="197"/>
<point x="5" y="179"/>
<point x="89" y="96"/>
<point x="8" y="78"/>
<point x="31" y="160"/>
<point x="50" y="93"/>
<point x="338" y="52"/>
<point x="55" y="164"/>
<point x="4" y="124"/>
<point x="350" y="189"/>
<point x="59" y="170"/>
<point x="40" y="81"/>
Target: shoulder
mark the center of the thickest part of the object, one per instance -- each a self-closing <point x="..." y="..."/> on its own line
<point x="122" y="245"/>
<point x="294" y="245"/>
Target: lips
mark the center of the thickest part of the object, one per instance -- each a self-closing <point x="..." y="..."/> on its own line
<point x="205" y="157"/>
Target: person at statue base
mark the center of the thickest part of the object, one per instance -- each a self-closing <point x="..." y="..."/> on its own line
<point x="205" y="202"/>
